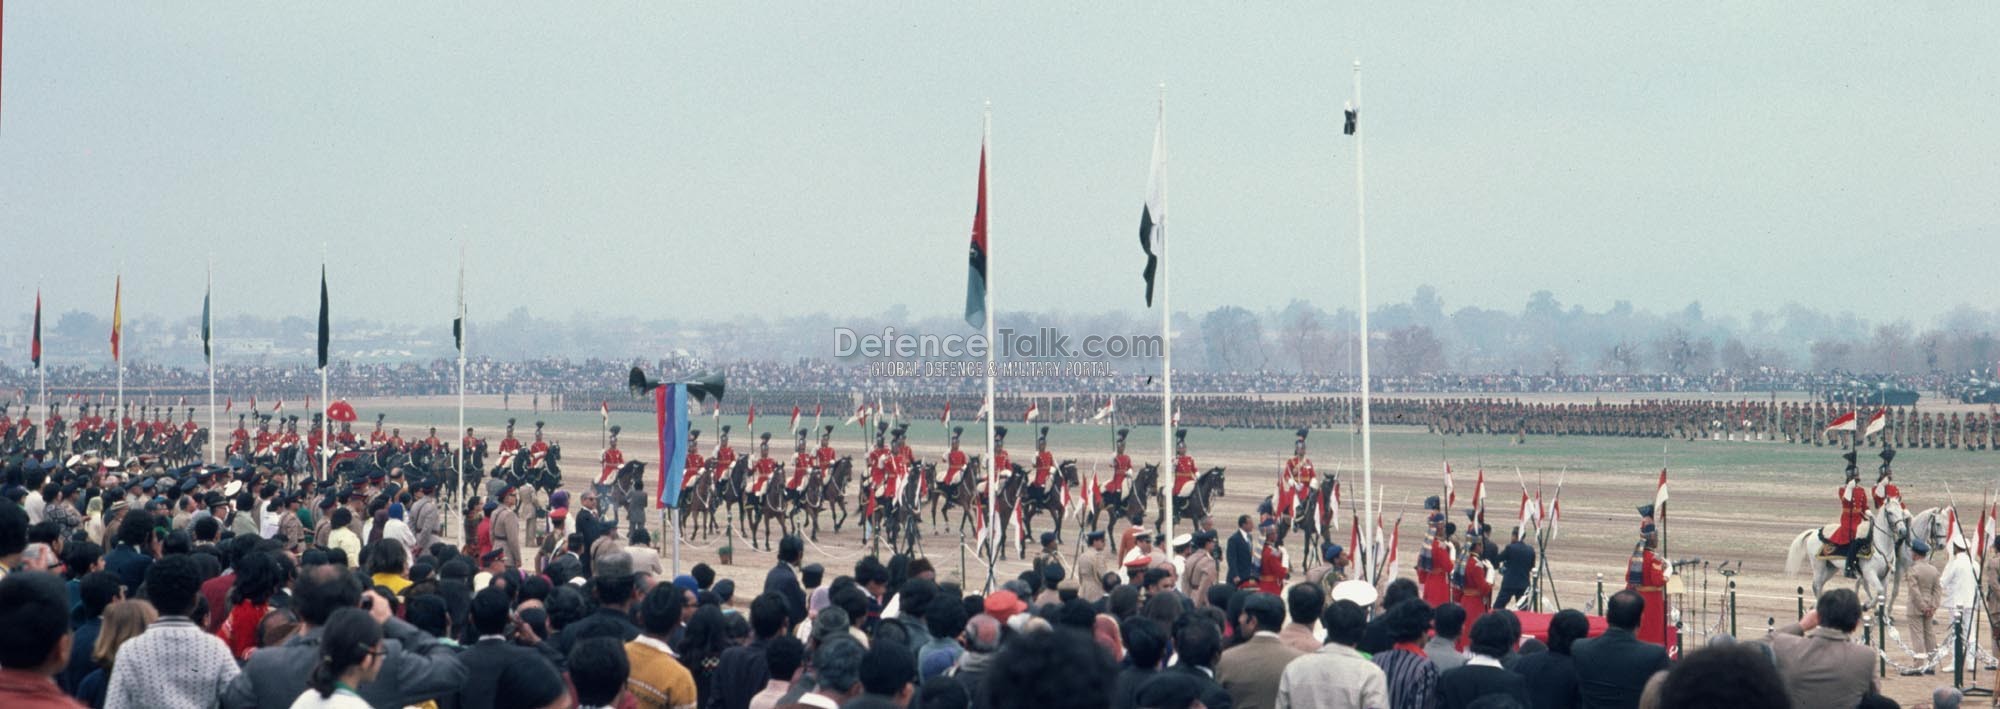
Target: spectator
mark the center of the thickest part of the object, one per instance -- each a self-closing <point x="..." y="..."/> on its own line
<point x="341" y="536"/>
<point x="913" y="601"/>
<point x="1375" y="640"/>
<point x="1060" y="669"/>
<point x="258" y="576"/>
<point x="1481" y="676"/>
<point x="1198" y="642"/>
<point x="123" y="621"/>
<point x="1250" y="670"/>
<point x="133" y="553"/>
<point x="598" y="669"/>
<point x="1820" y="664"/>
<point x="1447" y="622"/>
<point x="174" y="663"/>
<point x="744" y="670"/>
<point x="658" y="679"/>
<point x="944" y="693"/>
<point x="1551" y="675"/>
<point x="888" y="676"/>
<point x="1337" y="675"/>
<point x="783" y="579"/>
<point x="1726" y="676"/>
<point x="1145" y="648"/>
<point x="34" y="611"/>
<point x="836" y="673"/>
<point x="617" y="589"/>
<point x="1612" y="669"/>
<point x="1304" y="602"/>
<point x="388" y="561"/>
<point x="415" y="666"/>
<point x="784" y="657"/>
<point x="351" y="656"/>
<point x="982" y="643"/>
<point x="497" y="671"/>
<point x="1946" y="698"/>
<point x="945" y="619"/>
<point x="1411" y="676"/>
<point x="95" y="591"/>
<point x="701" y="648"/>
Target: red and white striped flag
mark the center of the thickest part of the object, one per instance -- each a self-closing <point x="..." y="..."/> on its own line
<point x="1034" y="409"/>
<point x="1479" y="496"/>
<point x="946" y="418"/>
<point x="1450" y="493"/>
<point x="1660" y="496"/>
<point x="280" y="406"/>
<point x="228" y="404"/>
<point x="1877" y="422"/>
<point x="1843" y="422"/>
<point x="795" y="417"/>
<point x="1110" y="407"/>
<point x="985" y="408"/>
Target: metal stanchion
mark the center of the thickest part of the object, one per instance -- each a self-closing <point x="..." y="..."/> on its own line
<point x="1600" y="594"/>
<point x="1732" y="606"/>
<point x="1957" y="650"/>
<point x="1802" y="602"/>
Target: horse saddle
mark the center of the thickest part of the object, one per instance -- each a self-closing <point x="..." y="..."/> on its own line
<point x="1831" y="551"/>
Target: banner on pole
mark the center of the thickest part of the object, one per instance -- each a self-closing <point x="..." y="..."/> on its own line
<point x="670" y="412"/>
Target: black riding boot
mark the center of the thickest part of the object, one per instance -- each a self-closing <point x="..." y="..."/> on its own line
<point x="1853" y="569"/>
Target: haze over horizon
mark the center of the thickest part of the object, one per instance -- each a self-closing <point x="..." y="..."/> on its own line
<point x="712" y="162"/>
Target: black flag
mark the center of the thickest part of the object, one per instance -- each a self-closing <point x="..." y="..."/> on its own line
<point x="325" y="331"/>
<point x="1154" y="212"/>
<point x="1353" y="119"/>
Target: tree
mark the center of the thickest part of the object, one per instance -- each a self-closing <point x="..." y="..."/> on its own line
<point x="1683" y="353"/>
<point x="1302" y="332"/>
<point x="1233" y="339"/>
<point x="1413" y="350"/>
<point x="1832" y="354"/>
<point x="1623" y="357"/>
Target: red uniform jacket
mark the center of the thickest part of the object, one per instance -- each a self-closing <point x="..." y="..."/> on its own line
<point x="1044" y="462"/>
<point x="694" y="471"/>
<point x="1473" y="596"/>
<point x="1853" y="513"/>
<point x="725" y="460"/>
<point x="802" y="463"/>
<point x="612" y="460"/>
<point x="1436" y="580"/>
<point x="1121" y="466"/>
<point x="1183" y="474"/>
<point x="762" y="467"/>
<point x="954" y="463"/>
<point x="1271" y="571"/>
<point x="1647" y="574"/>
<point x="510" y="443"/>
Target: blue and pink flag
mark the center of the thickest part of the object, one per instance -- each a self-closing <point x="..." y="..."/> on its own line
<point x="670" y="411"/>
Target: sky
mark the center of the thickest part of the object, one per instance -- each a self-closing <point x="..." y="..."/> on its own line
<point x="719" y="160"/>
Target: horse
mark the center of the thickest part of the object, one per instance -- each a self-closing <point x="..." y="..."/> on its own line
<point x="825" y="490"/>
<point x="760" y="509"/>
<point x="1201" y="500"/>
<point x="1888" y="535"/>
<point x="1037" y="501"/>
<point x="698" y="502"/>
<point x="962" y="493"/>
<point x="627" y="493"/>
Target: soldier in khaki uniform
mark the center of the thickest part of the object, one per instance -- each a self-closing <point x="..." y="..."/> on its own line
<point x="1091" y="566"/>
<point x="1925" y="594"/>
<point x="1992" y="590"/>
<point x="1201" y="569"/>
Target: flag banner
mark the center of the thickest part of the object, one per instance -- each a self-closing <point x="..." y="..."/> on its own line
<point x="1660" y="495"/>
<point x="1877" y="422"/>
<point x="947" y="413"/>
<point x="1110" y="408"/>
<point x="1153" y="214"/>
<point x="117" y="317"/>
<point x="670" y="409"/>
<point x="325" y="328"/>
<point x="1033" y="410"/>
<point x="458" y="320"/>
<point x="35" y="350"/>
<point x="228" y="404"/>
<point x="1844" y="422"/>
<point x="1450" y="494"/>
<point x="1353" y="122"/>
<point x="975" y="275"/>
<point x="795" y="418"/>
<point x="207" y="355"/>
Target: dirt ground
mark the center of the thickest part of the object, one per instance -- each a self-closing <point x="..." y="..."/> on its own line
<point x="1734" y="502"/>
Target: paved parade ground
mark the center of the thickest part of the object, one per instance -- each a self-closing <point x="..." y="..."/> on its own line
<point x="1733" y="501"/>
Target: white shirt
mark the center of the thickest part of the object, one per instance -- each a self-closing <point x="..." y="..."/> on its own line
<point x="815" y="699"/>
<point x="1960" y="586"/>
<point x="34" y="504"/>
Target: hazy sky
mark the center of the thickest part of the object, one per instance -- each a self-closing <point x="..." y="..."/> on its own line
<point x="668" y="159"/>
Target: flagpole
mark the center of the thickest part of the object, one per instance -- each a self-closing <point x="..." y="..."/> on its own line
<point x="326" y="423"/>
<point x="40" y="373"/>
<point x="1168" y="462"/>
<point x="992" y="474"/>
<point x="118" y="360"/>
<point x="208" y="352"/>
<point x="463" y="328"/>
<point x="1361" y="245"/>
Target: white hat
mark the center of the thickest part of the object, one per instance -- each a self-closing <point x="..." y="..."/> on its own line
<point x="1183" y="539"/>
<point x="1360" y="592"/>
<point x="110" y="462"/>
<point x="74" y="459"/>
<point x="230" y="490"/>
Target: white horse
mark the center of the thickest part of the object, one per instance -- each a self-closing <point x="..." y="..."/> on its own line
<point x="1888" y="532"/>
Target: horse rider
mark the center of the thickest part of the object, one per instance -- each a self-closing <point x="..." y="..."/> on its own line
<point x="377" y="438"/>
<point x="1184" y="471"/>
<point x="1121" y="470"/>
<point x="239" y="440"/>
<point x="725" y="456"/>
<point x="827" y="457"/>
<point x="468" y="445"/>
<point x="431" y="441"/>
<point x="1854" y="507"/>
<point x="903" y="460"/>
<point x="1297" y="479"/>
<point x="764" y="467"/>
<point x="1436" y="560"/>
<point x="694" y="470"/>
<point x="612" y="460"/>
<point x="1885" y="480"/>
<point x="955" y="460"/>
<point x="510" y="445"/>
<point x="803" y="463"/>
<point x="878" y="459"/>
<point x="1044" y="463"/>
<point x="538" y="450"/>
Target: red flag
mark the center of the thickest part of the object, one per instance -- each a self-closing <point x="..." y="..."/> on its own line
<point x="795" y="417"/>
<point x="1660" y="496"/>
<point x="947" y="413"/>
<point x="228" y="404"/>
<point x="1877" y="422"/>
<point x="752" y="423"/>
<point x="117" y="315"/>
<point x="1844" y="422"/>
<point x="35" y="351"/>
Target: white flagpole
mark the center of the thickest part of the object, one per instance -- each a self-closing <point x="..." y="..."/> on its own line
<point x="1166" y="329"/>
<point x="208" y="323"/>
<point x="464" y="329"/>
<point x="992" y="473"/>
<point x="118" y="360"/>
<point x="41" y="373"/>
<point x="1361" y="241"/>
<point x="326" y="422"/>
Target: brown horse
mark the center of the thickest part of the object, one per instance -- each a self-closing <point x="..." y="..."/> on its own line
<point x="762" y="511"/>
<point x="823" y="492"/>
<point x="962" y="493"/>
<point x="698" y="502"/>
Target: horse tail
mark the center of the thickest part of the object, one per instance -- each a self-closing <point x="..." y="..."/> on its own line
<point x="1800" y="553"/>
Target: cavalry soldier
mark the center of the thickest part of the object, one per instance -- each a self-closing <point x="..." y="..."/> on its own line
<point x="239" y="440"/>
<point x="1044" y="462"/>
<point x="954" y="461"/>
<point x="1002" y="467"/>
<point x="878" y="458"/>
<point x="538" y="450"/>
<point x="1184" y="473"/>
<point x="802" y="463"/>
<point x="1272" y="568"/>
<point x="694" y="462"/>
<point x="1885" y="481"/>
<point x="1474" y="579"/>
<point x="725" y="456"/>
<point x="265" y="440"/>
<point x="436" y="446"/>
<point x="1121" y="468"/>
<point x="764" y="466"/>
<point x="827" y="457"/>
<point x="612" y="460"/>
<point x="509" y="445"/>
<point x="1853" y="512"/>
<point x="376" y="438"/>
<point x="1646" y="574"/>
<point x="902" y="459"/>
<point x="189" y="429"/>
<point x="1435" y="561"/>
<point x="467" y="446"/>
<point x="1298" y="477"/>
<point x="396" y="440"/>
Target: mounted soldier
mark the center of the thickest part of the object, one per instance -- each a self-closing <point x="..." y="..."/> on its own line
<point x="1885" y="480"/>
<point x="955" y="460"/>
<point x="1044" y="463"/>
<point x="1296" y="482"/>
<point x="1647" y="574"/>
<point x="725" y="456"/>
<point x="762" y="468"/>
<point x="538" y="452"/>
<point x="1854" y="507"/>
<point x="826" y="455"/>
<point x="612" y="459"/>
<point x="695" y="463"/>
<point x="878" y="459"/>
<point x="1184" y="469"/>
<point x="1121" y="470"/>
<point x="803" y="463"/>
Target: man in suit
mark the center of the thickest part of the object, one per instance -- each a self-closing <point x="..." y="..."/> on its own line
<point x="1517" y="567"/>
<point x="1199" y="644"/>
<point x="1612" y="669"/>
<point x="1820" y="664"/>
<point x="1242" y="553"/>
<point x="783" y="579"/>
<point x="1091" y="566"/>
<point x="1493" y="637"/>
<point x="496" y="667"/>
<point x="1250" y="670"/>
